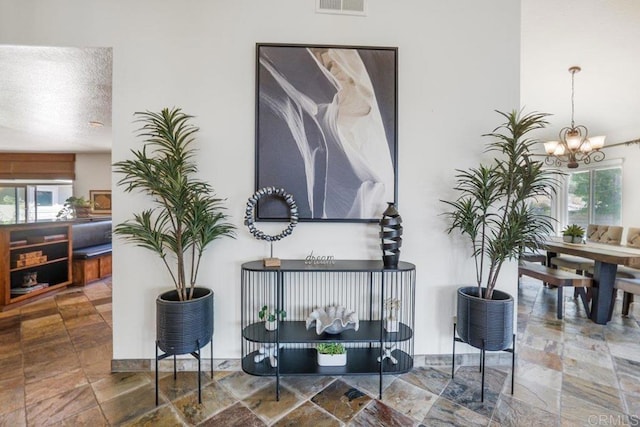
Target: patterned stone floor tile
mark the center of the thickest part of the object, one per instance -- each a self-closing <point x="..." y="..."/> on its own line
<point x="265" y="404"/>
<point x="306" y="386"/>
<point x="514" y="412"/>
<point x="131" y="405"/>
<point x="242" y="385"/>
<point x="341" y="400"/>
<point x="465" y="389"/>
<point x="80" y="321"/>
<point x="625" y="350"/>
<point x="598" y="394"/>
<point x="11" y="366"/>
<point x="73" y="311"/>
<point x="117" y="384"/>
<point x="447" y="413"/>
<point x="408" y="399"/>
<point x="628" y="372"/>
<point x="590" y="372"/>
<point x="185" y="382"/>
<point x="307" y="414"/>
<point x="48" y="353"/>
<point x="91" y="355"/>
<point x="535" y="394"/>
<point x="11" y="395"/>
<point x="10" y="340"/>
<point x="377" y="413"/>
<point x="594" y="357"/>
<point x="46" y="369"/>
<point x="633" y="405"/>
<point x="40" y="323"/>
<point x="88" y="336"/>
<point x="548" y="360"/>
<point x="369" y="384"/>
<point x="16" y="418"/>
<point x="98" y="370"/>
<point x="162" y="416"/>
<point x="71" y="297"/>
<point x="61" y="406"/>
<point x="430" y="379"/>
<point x="91" y="417"/>
<point x="51" y="386"/>
<point x="237" y="415"/>
<point x="214" y="399"/>
<point x="580" y="412"/>
<point x="534" y="373"/>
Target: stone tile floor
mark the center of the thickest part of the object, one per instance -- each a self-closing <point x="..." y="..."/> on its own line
<point x="55" y="370"/>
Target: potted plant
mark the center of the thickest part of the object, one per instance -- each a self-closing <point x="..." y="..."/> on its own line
<point x="331" y="354"/>
<point x="271" y="317"/>
<point x="573" y="234"/>
<point x="493" y="210"/>
<point x="185" y="219"/>
<point x="391" y="306"/>
<point x="77" y="207"/>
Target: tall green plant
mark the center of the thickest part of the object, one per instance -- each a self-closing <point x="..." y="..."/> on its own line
<point x="493" y="208"/>
<point x="187" y="216"/>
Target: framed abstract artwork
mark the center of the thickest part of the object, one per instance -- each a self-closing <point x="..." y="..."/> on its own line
<point x="326" y="130"/>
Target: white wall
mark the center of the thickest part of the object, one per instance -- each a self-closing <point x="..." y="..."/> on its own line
<point x="458" y="61"/>
<point x="93" y="172"/>
<point x="603" y="39"/>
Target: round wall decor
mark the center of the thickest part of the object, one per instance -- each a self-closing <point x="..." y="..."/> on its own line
<point x="249" y="217"/>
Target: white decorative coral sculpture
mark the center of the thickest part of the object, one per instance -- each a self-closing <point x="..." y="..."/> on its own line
<point x="333" y="320"/>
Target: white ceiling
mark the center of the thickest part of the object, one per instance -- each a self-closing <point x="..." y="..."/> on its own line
<point x="49" y="96"/>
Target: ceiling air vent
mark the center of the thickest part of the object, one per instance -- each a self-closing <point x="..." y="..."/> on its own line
<point x="341" y="7"/>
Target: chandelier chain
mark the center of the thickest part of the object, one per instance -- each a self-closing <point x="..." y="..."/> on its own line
<point x="573" y="77"/>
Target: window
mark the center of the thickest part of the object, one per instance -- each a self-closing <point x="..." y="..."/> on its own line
<point x="594" y="196"/>
<point x="20" y="201"/>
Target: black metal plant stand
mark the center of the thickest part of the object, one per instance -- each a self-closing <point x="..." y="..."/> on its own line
<point x="511" y="350"/>
<point x="195" y="354"/>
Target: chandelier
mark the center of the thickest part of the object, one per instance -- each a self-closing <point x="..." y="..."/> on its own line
<point x="574" y="144"/>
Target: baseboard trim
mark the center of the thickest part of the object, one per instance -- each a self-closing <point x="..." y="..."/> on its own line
<point x="190" y="364"/>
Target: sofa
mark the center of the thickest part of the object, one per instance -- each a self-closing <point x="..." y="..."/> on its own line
<point x="91" y="246"/>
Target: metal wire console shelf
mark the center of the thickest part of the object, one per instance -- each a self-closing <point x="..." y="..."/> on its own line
<point x="383" y="299"/>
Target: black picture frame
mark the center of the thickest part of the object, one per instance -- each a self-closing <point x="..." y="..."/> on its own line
<point x="326" y="130"/>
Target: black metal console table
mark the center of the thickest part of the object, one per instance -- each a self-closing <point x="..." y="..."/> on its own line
<point x="299" y="288"/>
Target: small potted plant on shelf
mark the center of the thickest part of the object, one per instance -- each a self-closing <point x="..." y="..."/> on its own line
<point x="77" y="207"/>
<point x="271" y="317"/>
<point x="573" y="234"/>
<point x="391" y="306"/>
<point x="331" y="354"/>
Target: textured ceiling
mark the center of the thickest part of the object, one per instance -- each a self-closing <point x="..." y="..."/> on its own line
<point x="48" y="96"/>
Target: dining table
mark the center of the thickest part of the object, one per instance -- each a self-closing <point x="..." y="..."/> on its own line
<point x="607" y="258"/>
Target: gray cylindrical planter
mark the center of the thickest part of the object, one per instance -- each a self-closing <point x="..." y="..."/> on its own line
<point x="182" y="326"/>
<point x="482" y="322"/>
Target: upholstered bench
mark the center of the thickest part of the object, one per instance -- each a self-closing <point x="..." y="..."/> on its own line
<point x="91" y="251"/>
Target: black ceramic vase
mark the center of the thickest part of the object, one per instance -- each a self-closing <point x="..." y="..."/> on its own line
<point x="390" y="236"/>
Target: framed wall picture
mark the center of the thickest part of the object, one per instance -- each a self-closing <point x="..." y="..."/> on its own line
<point x="100" y="201"/>
<point x="326" y="130"/>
